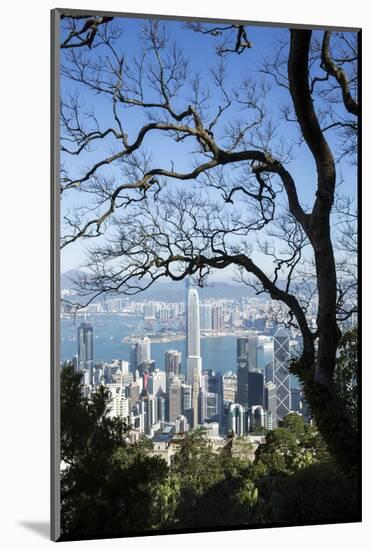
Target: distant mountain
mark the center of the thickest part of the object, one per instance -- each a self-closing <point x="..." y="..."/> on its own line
<point x="173" y="291"/>
<point x="68" y="277"/>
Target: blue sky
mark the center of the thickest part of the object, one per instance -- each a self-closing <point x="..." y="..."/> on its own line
<point x="200" y="51"/>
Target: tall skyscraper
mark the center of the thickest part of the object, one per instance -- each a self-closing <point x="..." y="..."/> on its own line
<point x="85" y="348"/>
<point x="243" y="371"/>
<point x="270" y="404"/>
<point x="206" y="317"/>
<point x="172" y="363"/>
<point x="133" y="393"/>
<point x="281" y="374"/>
<point x="156" y="382"/>
<point x="186" y="292"/>
<point x="209" y="406"/>
<point x="175" y="399"/>
<point x="144" y="350"/>
<point x="194" y="361"/>
<point x="187" y="402"/>
<point x="255" y="388"/>
<point x="217" y="318"/>
<point x="242" y="351"/>
<point x="211" y="396"/>
<point x="75" y="362"/>
<point x="133" y="357"/>
<point x="257" y="416"/>
<point x="196" y="387"/>
<point x="252" y="352"/>
<point x="230" y="386"/>
<point x="243" y="386"/>
<point x="269" y="372"/>
<point x="161" y="408"/>
<point x="236" y="419"/>
<point x="140" y="354"/>
<point x="152" y="410"/>
<point x="193" y="314"/>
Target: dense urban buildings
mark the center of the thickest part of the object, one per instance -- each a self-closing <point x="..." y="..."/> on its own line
<point x="247" y="394"/>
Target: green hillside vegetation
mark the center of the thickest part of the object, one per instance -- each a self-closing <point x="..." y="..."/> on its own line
<point x="111" y="487"/>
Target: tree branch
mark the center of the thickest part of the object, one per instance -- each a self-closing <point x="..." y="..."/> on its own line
<point x="338" y="73"/>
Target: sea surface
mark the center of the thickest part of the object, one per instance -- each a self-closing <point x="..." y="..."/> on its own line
<point x="218" y="353"/>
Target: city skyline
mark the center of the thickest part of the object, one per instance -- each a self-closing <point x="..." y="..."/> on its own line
<point x="182" y="395"/>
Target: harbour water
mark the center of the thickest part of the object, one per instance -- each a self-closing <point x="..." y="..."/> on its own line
<point x="218" y="353"/>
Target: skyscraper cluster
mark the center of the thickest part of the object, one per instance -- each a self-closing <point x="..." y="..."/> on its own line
<point x="263" y="386"/>
<point x="183" y="395"/>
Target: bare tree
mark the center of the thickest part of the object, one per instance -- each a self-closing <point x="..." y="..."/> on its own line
<point x="233" y="37"/>
<point x="81" y="30"/>
<point x="333" y="77"/>
<point x="245" y="188"/>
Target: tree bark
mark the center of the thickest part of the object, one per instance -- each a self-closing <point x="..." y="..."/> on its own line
<point x="318" y="226"/>
<point x="318" y="380"/>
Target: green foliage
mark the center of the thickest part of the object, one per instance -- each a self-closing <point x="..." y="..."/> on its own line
<point x="280" y="451"/>
<point x="107" y="485"/>
<point x="319" y="493"/>
<point x="292" y="446"/>
<point x="214" y="489"/>
<point x="336" y="411"/>
<point x="195" y="462"/>
<point x="297" y="481"/>
<point x="346" y="374"/>
<point x="294" y="423"/>
<point x="196" y="468"/>
<point x="110" y="487"/>
<point x="86" y="432"/>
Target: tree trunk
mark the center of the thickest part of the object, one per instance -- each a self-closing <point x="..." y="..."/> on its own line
<point x="318" y="379"/>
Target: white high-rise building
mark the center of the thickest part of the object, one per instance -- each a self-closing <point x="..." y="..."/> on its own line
<point x="119" y="406"/>
<point x="156" y="382"/>
<point x="193" y="311"/>
<point x="194" y="361"/>
<point x="144" y="350"/>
